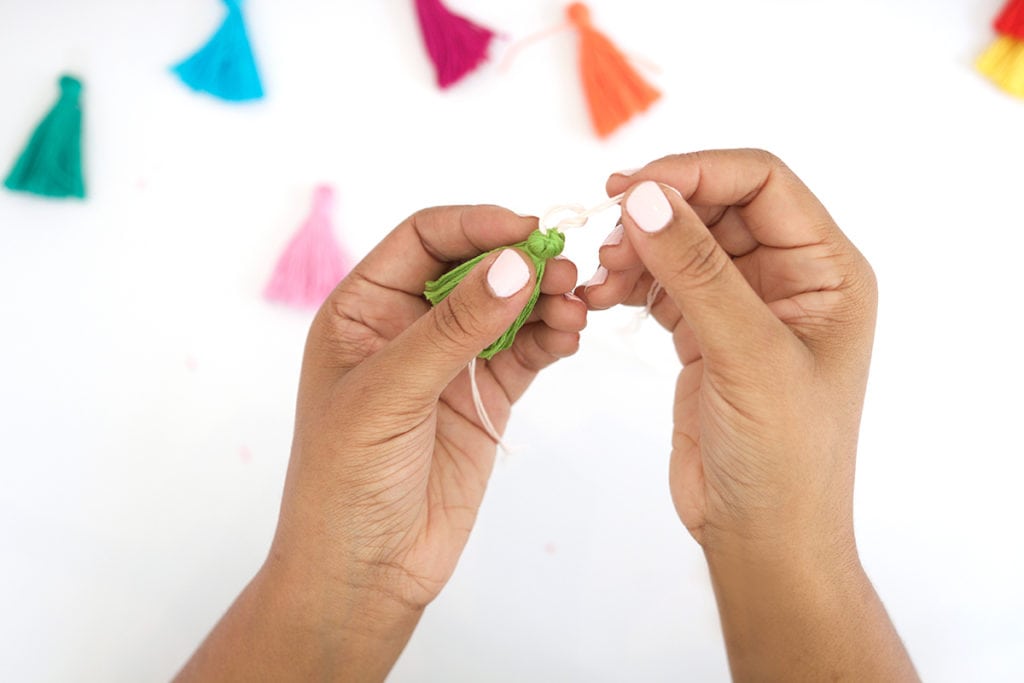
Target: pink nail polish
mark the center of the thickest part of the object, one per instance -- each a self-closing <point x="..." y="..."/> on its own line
<point x="599" y="277"/>
<point x="572" y="297"/>
<point x="614" y="237"/>
<point x="508" y="274"/>
<point x="628" y="172"/>
<point x="649" y="207"/>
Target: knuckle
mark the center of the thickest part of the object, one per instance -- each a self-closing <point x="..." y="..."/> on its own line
<point x="455" y="322"/>
<point x="701" y="263"/>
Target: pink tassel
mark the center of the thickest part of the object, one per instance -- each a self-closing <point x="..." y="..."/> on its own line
<point x="456" y="45"/>
<point x="313" y="263"/>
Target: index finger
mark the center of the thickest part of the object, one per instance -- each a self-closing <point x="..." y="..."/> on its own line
<point x="775" y="205"/>
<point x="425" y="245"/>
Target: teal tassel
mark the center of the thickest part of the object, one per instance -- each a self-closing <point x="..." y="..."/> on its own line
<point x="539" y="246"/>
<point x="225" y="67"/>
<point x="51" y="163"/>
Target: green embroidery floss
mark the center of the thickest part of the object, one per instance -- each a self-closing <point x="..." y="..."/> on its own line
<point x="51" y="164"/>
<point x="540" y="246"/>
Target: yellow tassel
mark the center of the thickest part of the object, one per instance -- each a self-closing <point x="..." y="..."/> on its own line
<point x="1003" y="63"/>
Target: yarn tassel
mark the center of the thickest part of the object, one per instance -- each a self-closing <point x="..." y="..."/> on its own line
<point x="225" y="67"/>
<point x="455" y="44"/>
<point x="539" y="246"/>
<point x="614" y="90"/>
<point x="1003" y="61"/>
<point x="313" y="263"/>
<point x="51" y="163"/>
<point x="1010" y="21"/>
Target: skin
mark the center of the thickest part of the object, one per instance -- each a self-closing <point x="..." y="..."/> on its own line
<point x="772" y="313"/>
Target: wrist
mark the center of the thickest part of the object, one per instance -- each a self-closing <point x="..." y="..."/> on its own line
<point x="348" y="622"/>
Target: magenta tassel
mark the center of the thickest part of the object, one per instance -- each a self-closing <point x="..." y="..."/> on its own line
<point x="456" y="45"/>
<point x="313" y="263"/>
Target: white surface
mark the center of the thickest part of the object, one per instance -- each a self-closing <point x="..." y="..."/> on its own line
<point x="138" y="495"/>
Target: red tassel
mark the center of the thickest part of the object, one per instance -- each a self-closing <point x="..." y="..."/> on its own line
<point x="1010" y="21"/>
<point x="615" y="91"/>
<point x="312" y="264"/>
<point x="455" y="44"/>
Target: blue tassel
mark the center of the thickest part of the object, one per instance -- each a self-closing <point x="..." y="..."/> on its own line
<point x="225" y="67"/>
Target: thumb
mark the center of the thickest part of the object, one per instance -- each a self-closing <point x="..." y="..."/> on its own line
<point x="726" y="315"/>
<point x="423" y="360"/>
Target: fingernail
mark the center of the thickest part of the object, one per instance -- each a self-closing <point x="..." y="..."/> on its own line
<point x="600" y="275"/>
<point x="614" y="237"/>
<point x="572" y="297"/>
<point x="628" y="172"/>
<point x="508" y="274"/>
<point x="649" y="207"/>
<point x="561" y="257"/>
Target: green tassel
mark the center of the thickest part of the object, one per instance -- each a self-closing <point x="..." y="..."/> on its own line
<point x="539" y="246"/>
<point x="51" y="164"/>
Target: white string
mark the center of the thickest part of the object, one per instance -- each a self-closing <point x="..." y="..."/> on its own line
<point x="580" y="216"/>
<point x="481" y="411"/>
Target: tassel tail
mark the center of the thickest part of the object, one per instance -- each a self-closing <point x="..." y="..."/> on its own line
<point x="615" y="91"/>
<point x="225" y="67"/>
<point x="1003" y="63"/>
<point x="539" y="246"/>
<point x="51" y="163"/>
<point x="456" y="45"/>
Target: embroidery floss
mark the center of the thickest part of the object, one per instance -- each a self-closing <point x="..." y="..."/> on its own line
<point x="455" y="44"/>
<point x="313" y="263"/>
<point x="225" y="67"/>
<point x="51" y="163"/>
<point x="539" y="246"/>
<point x="1003" y="61"/>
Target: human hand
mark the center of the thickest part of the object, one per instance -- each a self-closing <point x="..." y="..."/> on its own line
<point x="389" y="460"/>
<point x="772" y="313"/>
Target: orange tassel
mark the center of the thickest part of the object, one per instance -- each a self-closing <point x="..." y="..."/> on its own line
<point x="615" y="91"/>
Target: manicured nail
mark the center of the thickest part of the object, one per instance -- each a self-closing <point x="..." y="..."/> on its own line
<point x="649" y="207"/>
<point x="614" y="237"/>
<point x="600" y="275"/>
<point x="572" y="297"/>
<point x="628" y="172"/>
<point x="508" y="274"/>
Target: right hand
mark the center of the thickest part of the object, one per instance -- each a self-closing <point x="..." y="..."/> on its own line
<point x="772" y="312"/>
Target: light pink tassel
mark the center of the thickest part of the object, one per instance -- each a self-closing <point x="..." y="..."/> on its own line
<point x="313" y="263"/>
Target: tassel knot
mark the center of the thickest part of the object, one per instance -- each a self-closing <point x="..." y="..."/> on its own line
<point x="543" y="245"/>
<point x="579" y="15"/>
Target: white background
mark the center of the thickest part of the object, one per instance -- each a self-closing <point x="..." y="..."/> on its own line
<point x="146" y="391"/>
